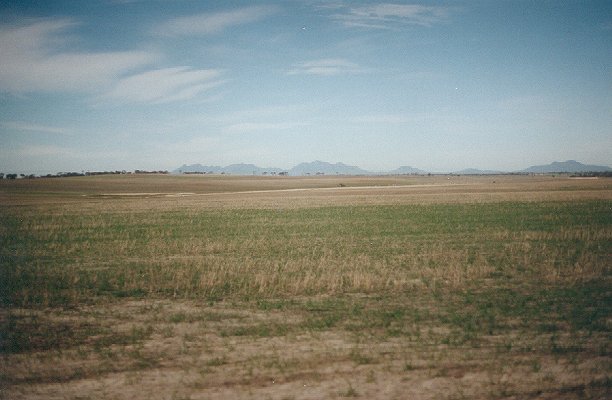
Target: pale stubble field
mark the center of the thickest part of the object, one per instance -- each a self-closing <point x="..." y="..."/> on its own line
<point x="204" y="287"/>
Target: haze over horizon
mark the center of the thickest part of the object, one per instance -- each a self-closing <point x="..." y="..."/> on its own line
<point x="440" y="86"/>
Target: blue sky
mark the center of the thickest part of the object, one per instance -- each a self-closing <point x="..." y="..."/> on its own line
<point x="441" y="86"/>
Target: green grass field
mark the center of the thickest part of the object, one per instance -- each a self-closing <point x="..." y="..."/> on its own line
<point x="418" y="290"/>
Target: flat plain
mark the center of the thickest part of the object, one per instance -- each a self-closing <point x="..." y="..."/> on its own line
<point x="214" y="287"/>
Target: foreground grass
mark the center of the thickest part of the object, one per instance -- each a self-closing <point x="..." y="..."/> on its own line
<point x="474" y="300"/>
<point x="243" y="254"/>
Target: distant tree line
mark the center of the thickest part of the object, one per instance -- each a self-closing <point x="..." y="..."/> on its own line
<point x="92" y="173"/>
<point x="264" y="173"/>
<point x="138" y="171"/>
<point x="70" y="174"/>
<point x="606" y="174"/>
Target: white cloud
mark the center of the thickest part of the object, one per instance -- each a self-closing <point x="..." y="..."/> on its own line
<point x="326" y="67"/>
<point x="33" y="60"/>
<point x="29" y="127"/>
<point x="212" y="23"/>
<point x="386" y="15"/>
<point x="163" y="85"/>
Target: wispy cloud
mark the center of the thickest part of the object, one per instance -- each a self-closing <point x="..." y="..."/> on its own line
<point x="387" y="15"/>
<point x="212" y="23"/>
<point x="33" y="60"/>
<point x="164" y="85"/>
<point x="30" y="127"/>
<point x="606" y="26"/>
<point x="326" y="67"/>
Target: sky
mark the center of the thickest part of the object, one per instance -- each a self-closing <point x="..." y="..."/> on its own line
<point x="441" y="86"/>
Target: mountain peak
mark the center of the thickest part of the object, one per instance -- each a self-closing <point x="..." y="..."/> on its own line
<point x="569" y="166"/>
<point x="326" y="168"/>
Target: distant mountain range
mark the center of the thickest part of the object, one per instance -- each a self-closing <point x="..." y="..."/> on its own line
<point x="405" y="170"/>
<point x="322" y="167"/>
<point x="325" y="168"/>
<point x="570" y="166"/>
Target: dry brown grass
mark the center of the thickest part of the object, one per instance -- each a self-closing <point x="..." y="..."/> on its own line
<point x="194" y="350"/>
<point x="163" y="193"/>
<point x="115" y="287"/>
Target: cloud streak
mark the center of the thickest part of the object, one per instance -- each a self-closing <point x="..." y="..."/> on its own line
<point x="163" y="85"/>
<point x="29" y="127"/>
<point x="32" y="60"/>
<point x="387" y="16"/>
<point x="213" y="23"/>
<point x="326" y="67"/>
